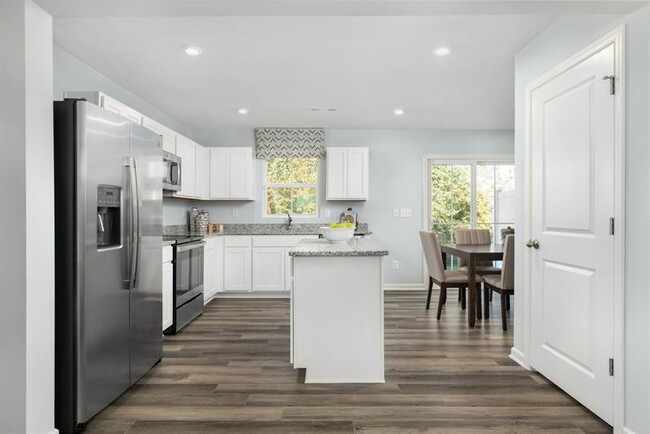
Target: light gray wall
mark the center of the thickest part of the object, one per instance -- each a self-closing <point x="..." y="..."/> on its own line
<point x="396" y="181"/>
<point x="71" y="73"/>
<point x="557" y="43"/>
<point x="27" y="225"/>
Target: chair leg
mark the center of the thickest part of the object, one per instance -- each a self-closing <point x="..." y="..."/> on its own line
<point x="460" y="297"/>
<point x="504" y="322"/>
<point x="443" y="294"/>
<point x="463" y="297"/>
<point x="444" y="298"/>
<point x="479" y="304"/>
<point x="486" y="302"/>
<point x="429" y="294"/>
<point x="508" y="302"/>
<point x="491" y="294"/>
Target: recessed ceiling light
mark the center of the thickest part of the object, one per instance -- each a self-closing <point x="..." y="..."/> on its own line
<point x="398" y="112"/>
<point x="192" y="50"/>
<point x="442" y="51"/>
<point x="242" y="111"/>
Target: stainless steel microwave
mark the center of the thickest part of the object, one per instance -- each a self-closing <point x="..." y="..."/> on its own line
<point x="172" y="176"/>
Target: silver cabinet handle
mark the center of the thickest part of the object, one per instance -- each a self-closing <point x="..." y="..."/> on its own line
<point x="532" y="244"/>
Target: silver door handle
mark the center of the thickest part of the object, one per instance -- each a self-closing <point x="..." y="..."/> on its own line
<point x="532" y="244"/>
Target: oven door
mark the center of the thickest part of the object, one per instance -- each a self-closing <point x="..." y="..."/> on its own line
<point x="188" y="272"/>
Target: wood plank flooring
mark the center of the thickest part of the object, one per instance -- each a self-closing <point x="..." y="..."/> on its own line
<point x="229" y="372"/>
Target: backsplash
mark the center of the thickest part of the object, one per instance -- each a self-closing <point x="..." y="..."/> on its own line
<point x="262" y="229"/>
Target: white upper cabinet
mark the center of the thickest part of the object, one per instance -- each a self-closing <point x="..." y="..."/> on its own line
<point x="348" y="173"/>
<point x="168" y="135"/>
<point x="202" y="172"/>
<point x="231" y="174"/>
<point x="186" y="149"/>
<point x="108" y="103"/>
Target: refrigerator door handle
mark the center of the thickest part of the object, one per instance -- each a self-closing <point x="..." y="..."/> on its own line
<point x="137" y="240"/>
<point x="133" y="223"/>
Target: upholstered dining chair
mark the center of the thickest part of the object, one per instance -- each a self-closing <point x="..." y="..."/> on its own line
<point x="437" y="273"/>
<point x="476" y="236"/>
<point x="503" y="284"/>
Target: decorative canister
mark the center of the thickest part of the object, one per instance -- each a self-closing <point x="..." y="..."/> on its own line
<point x="194" y="213"/>
<point x="202" y="221"/>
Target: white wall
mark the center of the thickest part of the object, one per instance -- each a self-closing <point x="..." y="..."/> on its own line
<point x="27" y="256"/>
<point x="396" y="181"/>
<point x="71" y="73"/>
<point x="557" y="43"/>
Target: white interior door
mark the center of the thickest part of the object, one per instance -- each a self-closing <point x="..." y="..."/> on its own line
<point x="572" y="186"/>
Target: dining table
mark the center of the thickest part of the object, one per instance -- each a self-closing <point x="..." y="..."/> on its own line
<point x="472" y="253"/>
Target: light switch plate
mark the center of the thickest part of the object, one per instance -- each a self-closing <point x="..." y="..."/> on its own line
<point x="235" y="212"/>
<point x="406" y="212"/>
<point x="395" y="212"/>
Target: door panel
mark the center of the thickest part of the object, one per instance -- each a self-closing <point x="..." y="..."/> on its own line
<point x="337" y="174"/>
<point x="103" y="338"/>
<point x="237" y="272"/>
<point x="268" y="269"/>
<point x="241" y="167"/>
<point x="572" y="133"/>
<point x="146" y="294"/>
<point x="357" y="176"/>
<point x="219" y="173"/>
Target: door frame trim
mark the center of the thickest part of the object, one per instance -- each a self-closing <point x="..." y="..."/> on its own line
<point x="616" y="38"/>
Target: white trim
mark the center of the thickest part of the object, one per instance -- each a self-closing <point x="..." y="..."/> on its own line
<point x="258" y="294"/>
<point x="518" y="357"/>
<point x="404" y="287"/>
<point x="368" y="380"/>
<point x="627" y="430"/>
<point x="617" y="38"/>
<point x="54" y="431"/>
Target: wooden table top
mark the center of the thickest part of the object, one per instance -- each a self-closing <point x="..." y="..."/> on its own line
<point x="482" y="251"/>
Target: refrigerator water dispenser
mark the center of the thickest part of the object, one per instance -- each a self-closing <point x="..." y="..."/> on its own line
<point x="108" y="216"/>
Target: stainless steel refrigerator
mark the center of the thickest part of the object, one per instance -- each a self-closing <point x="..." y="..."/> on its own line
<point x="108" y="223"/>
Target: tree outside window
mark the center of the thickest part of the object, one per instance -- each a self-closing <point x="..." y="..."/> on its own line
<point x="292" y="187"/>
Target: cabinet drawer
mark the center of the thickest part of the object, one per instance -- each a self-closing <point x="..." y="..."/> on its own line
<point x="279" y="240"/>
<point x="238" y="241"/>
<point x="211" y="243"/>
<point x="167" y="254"/>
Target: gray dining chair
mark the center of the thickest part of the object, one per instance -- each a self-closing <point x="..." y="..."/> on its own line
<point x="476" y="236"/>
<point x="503" y="284"/>
<point x="437" y="273"/>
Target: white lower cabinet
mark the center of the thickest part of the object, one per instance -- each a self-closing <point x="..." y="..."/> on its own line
<point x="212" y="269"/>
<point x="167" y="288"/>
<point x="237" y="268"/>
<point x="259" y="263"/>
<point x="269" y="269"/>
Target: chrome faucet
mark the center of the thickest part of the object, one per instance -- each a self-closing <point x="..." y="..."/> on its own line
<point x="289" y="220"/>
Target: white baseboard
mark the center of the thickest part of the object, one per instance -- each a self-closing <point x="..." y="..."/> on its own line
<point x="54" y="431"/>
<point x="403" y="287"/>
<point x="274" y="294"/>
<point x="519" y="357"/>
<point x="627" y="430"/>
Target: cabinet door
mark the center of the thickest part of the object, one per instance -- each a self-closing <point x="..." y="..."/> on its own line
<point x="220" y="263"/>
<point x="115" y="106"/>
<point x="219" y="173"/>
<point x="167" y="295"/>
<point x="268" y="269"/>
<point x="186" y="149"/>
<point x="168" y="136"/>
<point x="357" y="173"/>
<point x="337" y="173"/>
<point x="237" y="269"/>
<point x="241" y="173"/>
<point x="210" y="270"/>
<point x="202" y="172"/>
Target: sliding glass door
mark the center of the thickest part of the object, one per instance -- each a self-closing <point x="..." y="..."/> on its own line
<point x="470" y="194"/>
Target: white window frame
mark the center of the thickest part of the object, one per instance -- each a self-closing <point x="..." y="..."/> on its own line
<point x="266" y="185"/>
<point x="473" y="161"/>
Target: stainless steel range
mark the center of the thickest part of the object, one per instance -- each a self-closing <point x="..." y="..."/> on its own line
<point x="188" y="280"/>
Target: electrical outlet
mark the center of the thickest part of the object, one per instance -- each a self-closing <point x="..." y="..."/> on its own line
<point x="328" y="213"/>
<point x="395" y="212"/>
<point x="395" y="264"/>
<point x="235" y="212"/>
<point x="406" y="212"/>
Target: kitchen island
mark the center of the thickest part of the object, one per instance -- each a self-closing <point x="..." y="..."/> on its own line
<point x="337" y="311"/>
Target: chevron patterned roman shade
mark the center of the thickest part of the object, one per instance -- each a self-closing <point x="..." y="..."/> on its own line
<point x="289" y="143"/>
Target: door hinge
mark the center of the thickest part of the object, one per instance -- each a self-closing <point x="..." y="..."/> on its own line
<point x="611" y="226"/>
<point x="612" y="83"/>
<point x="611" y="367"/>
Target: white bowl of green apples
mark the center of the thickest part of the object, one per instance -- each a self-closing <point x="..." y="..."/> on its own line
<point x="338" y="233"/>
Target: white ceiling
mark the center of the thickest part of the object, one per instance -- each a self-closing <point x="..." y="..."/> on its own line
<point x="279" y="67"/>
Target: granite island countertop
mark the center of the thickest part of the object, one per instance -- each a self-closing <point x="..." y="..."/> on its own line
<point x="322" y="247"/>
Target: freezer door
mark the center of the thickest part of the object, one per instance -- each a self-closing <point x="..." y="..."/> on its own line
<point x="102" y="334"/>
<point x="146" y="292"/>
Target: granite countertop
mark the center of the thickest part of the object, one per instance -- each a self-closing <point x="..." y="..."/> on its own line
<point x="354" y="247"/>
<point x="262" y="229"/>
